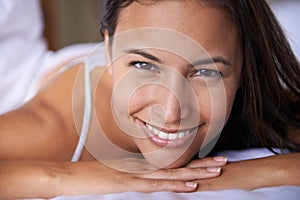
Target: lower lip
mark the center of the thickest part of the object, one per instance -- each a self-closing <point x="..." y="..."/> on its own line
<point x="164" y="142"/>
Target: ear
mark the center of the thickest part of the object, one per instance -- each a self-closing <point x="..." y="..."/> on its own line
<point x="107" y="50"/>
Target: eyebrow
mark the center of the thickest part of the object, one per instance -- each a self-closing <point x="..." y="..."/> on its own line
<point x="205" y="61"/>
<point x="217" y="59"/>
<point x="143" y="54"/>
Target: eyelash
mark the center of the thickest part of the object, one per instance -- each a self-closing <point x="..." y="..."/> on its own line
<point x="143" y="65"/>
<point x="208" y="73"/>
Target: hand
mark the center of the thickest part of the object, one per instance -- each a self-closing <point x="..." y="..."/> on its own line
<point x="96" y="178"/>
<point x="257" y="173"/>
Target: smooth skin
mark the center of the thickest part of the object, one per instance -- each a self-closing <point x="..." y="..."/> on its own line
<point x="217" y="36"/>
<point x="24" y="174"/>
<point x="38" y="139"/>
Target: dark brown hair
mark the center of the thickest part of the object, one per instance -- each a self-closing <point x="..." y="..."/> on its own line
<point x="268" y="101"/>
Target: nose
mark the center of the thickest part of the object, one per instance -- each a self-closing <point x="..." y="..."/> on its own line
<point x="175" y="100"/>
<point x="168" y="109"/>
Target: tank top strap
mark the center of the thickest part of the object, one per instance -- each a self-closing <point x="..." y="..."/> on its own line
<point x="94" y="59"/>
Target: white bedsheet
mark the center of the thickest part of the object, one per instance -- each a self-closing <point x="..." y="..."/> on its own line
<point x="24" y="55"/>
<point x="287" y="13"/>
<point x="271" y="193"/>
<point x="274" y="193"/>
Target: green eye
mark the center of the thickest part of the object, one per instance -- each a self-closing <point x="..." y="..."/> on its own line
<point x="144" y="66"/>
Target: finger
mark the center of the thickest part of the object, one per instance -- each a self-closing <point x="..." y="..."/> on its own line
<point x="155" y="185"/>
<point x="183" y="173"/>
<point x="218" y="161"/>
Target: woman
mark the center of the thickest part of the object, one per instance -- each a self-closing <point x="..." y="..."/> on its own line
<point x="176" y="70"/>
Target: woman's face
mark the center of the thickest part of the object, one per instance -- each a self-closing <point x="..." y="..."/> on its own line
<point x="176" y="68"/>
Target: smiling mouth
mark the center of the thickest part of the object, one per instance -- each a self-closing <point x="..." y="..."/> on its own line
<point x="168" y="136"/>
<point x="170" y="139"/>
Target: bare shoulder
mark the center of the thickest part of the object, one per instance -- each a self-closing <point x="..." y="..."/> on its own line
<point x="44" y="127"/>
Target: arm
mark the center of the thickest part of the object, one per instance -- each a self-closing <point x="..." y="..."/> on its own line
<point x="271" y="171"/>
<point x="44" y="179"/>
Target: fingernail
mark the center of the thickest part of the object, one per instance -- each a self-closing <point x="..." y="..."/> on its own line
<point x="220" y="159"/>
<point x="191" y="184"/>
<point x="214" y="169"/>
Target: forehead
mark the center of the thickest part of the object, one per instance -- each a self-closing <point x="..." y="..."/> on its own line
<point x="210" y="27"/>
<point x="189" y="17"/>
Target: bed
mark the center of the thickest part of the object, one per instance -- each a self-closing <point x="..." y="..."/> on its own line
<point x="276" y="193"/>
<point x="271" y="193"/>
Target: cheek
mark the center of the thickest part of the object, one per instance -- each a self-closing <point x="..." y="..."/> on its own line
<point x="133" y="96"/>
<point x="215" y="105"/>
<point x="146" y="105"/>
<point x="141" y="98"/>
<point x="230" y="99"/>
<point x="118" y="73"/>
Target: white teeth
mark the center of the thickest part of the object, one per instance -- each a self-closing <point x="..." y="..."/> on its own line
<point x="167" y="136"/>
<point x="156" y="132"/>
<point x="163" y="135"/>
<point x="180" y="135"/>
<point x="173" y="136"/>
<point x="149" y="127"/>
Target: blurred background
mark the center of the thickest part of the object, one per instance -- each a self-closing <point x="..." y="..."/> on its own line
<point x="68" y="22"/>
<point x="37" y="36"/>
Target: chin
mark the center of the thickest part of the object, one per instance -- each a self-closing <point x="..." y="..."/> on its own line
<point x="176" y="164"/>
<point x="167" y="160"/>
